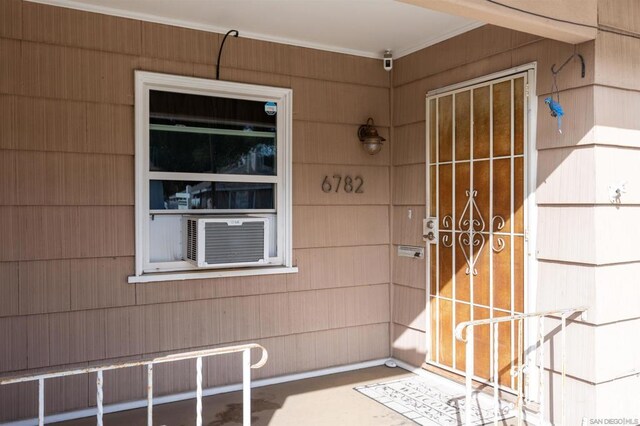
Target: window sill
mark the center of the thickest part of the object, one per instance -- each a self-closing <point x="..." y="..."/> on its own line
<point x="204" y="274"/>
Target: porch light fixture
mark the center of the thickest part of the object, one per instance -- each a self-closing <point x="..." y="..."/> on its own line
<point x="368" y="135"/>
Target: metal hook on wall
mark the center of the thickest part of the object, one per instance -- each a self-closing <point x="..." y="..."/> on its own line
<point x="554" y="73"/>
<point x="554" y="104"/>
<point x="583" y="69"/>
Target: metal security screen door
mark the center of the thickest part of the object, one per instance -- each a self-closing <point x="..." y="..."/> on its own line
<point x="476" y="145"/>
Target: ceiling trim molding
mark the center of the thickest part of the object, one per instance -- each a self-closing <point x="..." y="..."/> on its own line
<point x="71" y="4"/>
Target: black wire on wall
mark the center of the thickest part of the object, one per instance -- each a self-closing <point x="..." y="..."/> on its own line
<point x="233" y="33"/>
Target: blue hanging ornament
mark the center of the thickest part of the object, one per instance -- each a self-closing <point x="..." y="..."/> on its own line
<point x="556" y="111"/>
<point x="554" y="104"/>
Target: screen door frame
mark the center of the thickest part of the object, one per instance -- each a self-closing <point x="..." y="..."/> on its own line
<point x="531" y="384"/>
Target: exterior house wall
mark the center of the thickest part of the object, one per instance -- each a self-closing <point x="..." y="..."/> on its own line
<point x="67" y="215"/>
<point x="599" y="260"/>
<point x="570" y="238"/>
<point x="67" y="212"/>
<point x="474" y="54"/>
<point x="585" y="245"/>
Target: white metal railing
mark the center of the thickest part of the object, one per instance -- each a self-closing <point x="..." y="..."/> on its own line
<point x="198" y="355"/>
<point x="519" y="369"/>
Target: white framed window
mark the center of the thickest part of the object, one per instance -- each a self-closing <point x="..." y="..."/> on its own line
<point x="214" y="150"/>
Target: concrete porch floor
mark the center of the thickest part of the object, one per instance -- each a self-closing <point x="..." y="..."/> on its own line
<point x="327" y="401"/>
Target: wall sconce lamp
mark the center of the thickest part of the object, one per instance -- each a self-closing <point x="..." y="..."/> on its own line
<point x="368" y="135"/>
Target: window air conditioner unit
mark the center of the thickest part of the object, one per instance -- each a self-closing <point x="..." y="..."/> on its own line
<point x="224" y="242"/>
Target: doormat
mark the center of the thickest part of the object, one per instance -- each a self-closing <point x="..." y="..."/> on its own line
<point x="434" y="401"/>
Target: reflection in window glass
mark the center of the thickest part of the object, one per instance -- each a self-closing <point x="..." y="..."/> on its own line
<point x="204" y="134"/>
<point x="181" y="151"/>
<point x="181" y="195"/>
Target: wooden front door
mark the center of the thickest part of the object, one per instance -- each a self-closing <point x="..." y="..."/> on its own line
<point x="476" y="181"/>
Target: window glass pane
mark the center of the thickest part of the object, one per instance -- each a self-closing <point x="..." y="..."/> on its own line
<point x="181" y="195"/>
<point x="205" y="134"/>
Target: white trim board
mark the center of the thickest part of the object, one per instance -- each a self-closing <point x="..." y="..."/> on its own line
<point x="397" y="54"/>
<point x="209" y="273"/>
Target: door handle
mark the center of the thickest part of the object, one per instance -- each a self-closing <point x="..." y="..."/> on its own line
<point x="430" y="230"/>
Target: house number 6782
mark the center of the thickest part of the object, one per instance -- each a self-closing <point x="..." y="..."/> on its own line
<point x="348" y="184"/>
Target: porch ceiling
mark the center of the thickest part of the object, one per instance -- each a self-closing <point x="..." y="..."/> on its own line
<point x="571" y="21"/>
<point x="359" y="27"/>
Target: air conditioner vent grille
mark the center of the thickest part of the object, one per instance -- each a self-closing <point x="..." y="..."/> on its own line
<point x="192" y="239"/>
<point x="234" y="244"/>
<point x="218" y="242"/>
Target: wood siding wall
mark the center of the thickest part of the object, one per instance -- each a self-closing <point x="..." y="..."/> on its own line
<point x="586" y="247"/>
<point x="67" y="212"/>
<point x="473" y="54"/>
<point x="66" y="206"/>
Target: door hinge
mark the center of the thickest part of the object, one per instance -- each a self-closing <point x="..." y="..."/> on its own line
<point x="526" y="90"/>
